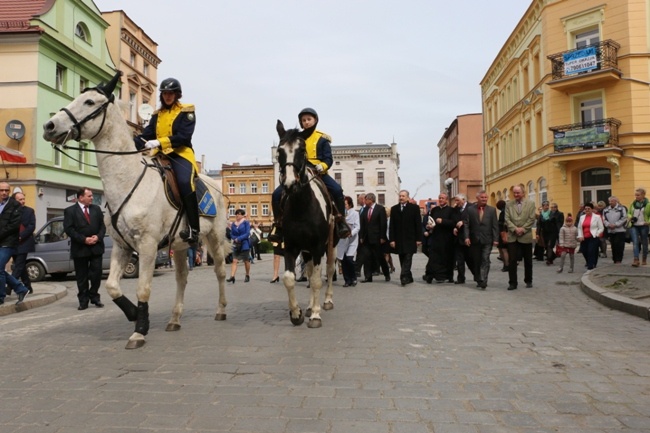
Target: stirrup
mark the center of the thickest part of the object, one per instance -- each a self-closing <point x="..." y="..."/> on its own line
<point x="189" y="235"/>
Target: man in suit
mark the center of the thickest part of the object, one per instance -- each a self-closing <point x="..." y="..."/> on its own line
<point x="372" y="236"/>
<point x="405" y="234"/>
<point x="26" y="243"/>
<point x="361" y="251"/>
<point x="10" y="212"/>
<point x="481" y="227"/>
<point x="462" y="254"/>
<point x="520" y="218"/>
<point x="83" y="222"/>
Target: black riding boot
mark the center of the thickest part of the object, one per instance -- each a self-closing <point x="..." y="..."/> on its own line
<point x="342" y="228"/>
<point x="275" y="236"/>
<point x="191" y="205"/>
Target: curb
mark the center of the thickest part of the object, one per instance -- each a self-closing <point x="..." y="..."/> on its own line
<point x="44" y="293"/>
<point x="614" y="300"/>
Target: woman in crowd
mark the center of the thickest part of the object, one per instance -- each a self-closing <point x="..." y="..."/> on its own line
<point x="240" y="233"/>
<point x="590" y="228"/>
<point x="639" y="215"/>
<point x="346" y="250"/>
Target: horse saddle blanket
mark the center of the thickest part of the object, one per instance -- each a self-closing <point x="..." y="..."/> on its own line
<point x="207" y="206"/>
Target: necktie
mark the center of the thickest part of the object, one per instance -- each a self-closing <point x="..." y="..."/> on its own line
<point x="369" y="213"/>
<point x="86" y="214"/>
<point x="480" y="213"/>
<point x="518" y="206"/>
<point x="402" y="208"/>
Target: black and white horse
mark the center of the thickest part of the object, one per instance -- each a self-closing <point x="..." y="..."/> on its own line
<point x="308" y="226"/>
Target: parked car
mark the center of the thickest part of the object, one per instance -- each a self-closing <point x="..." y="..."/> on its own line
<point x="52" y="254"/>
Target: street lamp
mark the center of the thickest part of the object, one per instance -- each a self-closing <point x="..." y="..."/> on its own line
<point x="448" y="183"/>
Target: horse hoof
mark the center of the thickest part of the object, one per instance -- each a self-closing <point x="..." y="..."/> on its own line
<point x="299" y="321"/>
<point x="314" y="323"/>
<point x="173" y="327"/>
<point x="220" y="316"/>
<point x="328" y="306"/>
<point x="135" y="344"/>
<point x="308" y="312"/>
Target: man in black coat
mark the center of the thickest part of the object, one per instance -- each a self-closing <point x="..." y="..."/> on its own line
<point x="461" y="250"/>
<point x="481" y="226"/>
<point x="405" y="234"/>
<point x="440" y="225"/>
<point x="374" y="224"/>
<point x="83" y="222"/>
<point x="26" y="243"/>
<point x="10" y="211"/>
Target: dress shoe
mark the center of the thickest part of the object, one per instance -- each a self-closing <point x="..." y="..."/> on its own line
<point x="512" y="287"/>
<point x="440" y="281"/>
<point x="482" y="285"/>
<point x="504" y="269"/>
<point x="2" y="301"/>
<point x="82" y="307"/>
<point x="247" y="279"/>
<point x="387" y="277"/>
<point x="354" y="283"/>
<point x="459" y="282"/>
<point x="367" y="280"/>
<point x="98" y="304"/>
<point x="529" y="285"/>
<point x="275" y="280"/>
<point x="21" y="297"/>
<point x="427" y="278"/>
<point x="403" y="281"/>
<point x="231" y="280"/>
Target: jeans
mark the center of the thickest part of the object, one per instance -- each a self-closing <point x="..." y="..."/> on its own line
<point x="640" y="240"/>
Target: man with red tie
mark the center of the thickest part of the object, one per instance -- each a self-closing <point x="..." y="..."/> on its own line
<point x="83" y="222"/>
<point x="373" y="234"/>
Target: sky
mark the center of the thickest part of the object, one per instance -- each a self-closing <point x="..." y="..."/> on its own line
<point x="377" y="71"/>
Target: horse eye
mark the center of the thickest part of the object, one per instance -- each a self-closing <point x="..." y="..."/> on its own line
<point x="89" y="102"/>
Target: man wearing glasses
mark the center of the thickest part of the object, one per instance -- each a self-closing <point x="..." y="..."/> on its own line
<point x="10" y="214"/>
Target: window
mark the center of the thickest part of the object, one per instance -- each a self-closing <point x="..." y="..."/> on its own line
<point x="337" y="178"/>
<point x="243" y="207"/>
<point x="60" y="78"/>
<point x="57" y="154"/>
<point x="589" y="37"/>
<point x="531" y="192"/>
<point x="231" y="210"/>
<point x="242" y="187"/>
<point x="81" y="31"/>
<point x="359" y="162"/>
<point x="132" y="59"/>
<point x="359" y="178"/>
<point x="231" y="188"/>
<point x="80" y="157"/>
<point x="265" y="210"/>
<point x="133" y="105"/>
<point x="254" y="210"/>
<point x="380" y="162"/>
<point x="265" y="187"/>
<point x="83" y="84"/>
<point x="591" y="110"/>
<point x="145" y="69"/>
<point x="381" y="199"/>
<point x="543" y="193"/>
<point x="253" y="187"/>
<point x="380" y="178"/>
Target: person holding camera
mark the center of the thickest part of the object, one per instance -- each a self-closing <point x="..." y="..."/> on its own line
<point x="639" y="214"/>
<point x="240" y="233"/>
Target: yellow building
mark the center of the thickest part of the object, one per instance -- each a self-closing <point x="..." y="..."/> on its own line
<point x="249" y="187"/>
<point x="565" y="103"/>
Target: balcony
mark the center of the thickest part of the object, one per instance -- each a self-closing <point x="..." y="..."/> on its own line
<point x="596" y="134"/>
<point x="585" y="67"/>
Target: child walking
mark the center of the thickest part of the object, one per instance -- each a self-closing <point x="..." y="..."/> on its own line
<point x="567" y="243"/>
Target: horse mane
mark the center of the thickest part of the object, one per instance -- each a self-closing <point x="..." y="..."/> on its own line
<point x="291" y="135"/>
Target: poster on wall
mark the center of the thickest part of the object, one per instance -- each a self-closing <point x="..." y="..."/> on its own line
<point x="578" y="61"/>
<point x="586" y="137"/>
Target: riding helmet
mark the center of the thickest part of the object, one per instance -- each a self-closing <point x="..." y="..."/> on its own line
<point x="308" y="111"/>
<point x="171" y="85"/>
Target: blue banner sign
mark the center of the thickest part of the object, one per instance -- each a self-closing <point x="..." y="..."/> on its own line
<point x="580" y="61"/>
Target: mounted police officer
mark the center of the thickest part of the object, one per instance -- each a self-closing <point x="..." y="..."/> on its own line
<point x="319" y="157"/>
<point x="170" y="132"/>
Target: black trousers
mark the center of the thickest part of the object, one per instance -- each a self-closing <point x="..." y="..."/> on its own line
<point x="618" y="245"/>
<point x="375" y="255"/>
<point x="463" y="257"/>
<point x="20" y="271"/>
<point x="405" y="263"/>
<point x="88" y="271"/>
<point x="525" y="251"/>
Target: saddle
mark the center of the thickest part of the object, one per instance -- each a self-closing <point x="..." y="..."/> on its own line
<point x="207" y="206"/>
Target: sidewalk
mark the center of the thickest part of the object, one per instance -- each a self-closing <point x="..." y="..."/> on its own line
<point x="44" y="293"/>
<point x="620" y="287"/>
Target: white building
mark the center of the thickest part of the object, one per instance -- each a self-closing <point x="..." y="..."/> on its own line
<point x="364" y="168"/>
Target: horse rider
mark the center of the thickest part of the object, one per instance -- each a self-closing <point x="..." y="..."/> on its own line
<point x="170" y="132"/>
<point x="319" y="158"/>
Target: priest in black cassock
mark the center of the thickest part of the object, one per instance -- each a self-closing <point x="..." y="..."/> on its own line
<point x="441" y="223"/>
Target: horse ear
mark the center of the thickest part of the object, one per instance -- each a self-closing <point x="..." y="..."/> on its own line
<point x="107" y="89"/>
<point x="280" y="128"/>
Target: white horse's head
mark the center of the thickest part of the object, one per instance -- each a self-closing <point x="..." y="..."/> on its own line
<point x="292" y="157"/>
<point x="84" y="117"/>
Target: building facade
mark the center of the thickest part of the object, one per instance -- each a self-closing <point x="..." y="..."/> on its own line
<point x="50" y="50"/>
<point x="461" y="152"/>
<point x="565" y="104"/>
<point x="135" y="54"/>
<point x="249" y="187"/>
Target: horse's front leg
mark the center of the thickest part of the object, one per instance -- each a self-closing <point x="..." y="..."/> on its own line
<point x="316" y="282"/>
<point x="119" y="260"/>
<point x="309" y="270"/>
<point x="289" y="280"/>
<point x="181" y="268"/>
<point x="146" y="264"/>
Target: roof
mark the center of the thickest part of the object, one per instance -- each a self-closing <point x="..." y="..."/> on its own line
<point x="15" y="15"/>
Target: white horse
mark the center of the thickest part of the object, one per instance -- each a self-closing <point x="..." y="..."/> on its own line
<point x="143" y="218"/>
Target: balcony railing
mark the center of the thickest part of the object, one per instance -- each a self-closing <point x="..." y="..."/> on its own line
<point x="586" y="135"/>
<point x="585" y="60"/>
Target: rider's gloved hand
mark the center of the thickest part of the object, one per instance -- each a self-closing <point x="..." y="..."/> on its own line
<point x="320" y="168"/>
<point x="152" y="144"/>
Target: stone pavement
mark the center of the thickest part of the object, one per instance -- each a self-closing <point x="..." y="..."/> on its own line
<point x="424" y="358"/>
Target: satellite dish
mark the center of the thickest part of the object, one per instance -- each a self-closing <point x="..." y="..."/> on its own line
<point x="145" y="111"/>
<point x="15" y="129"/>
